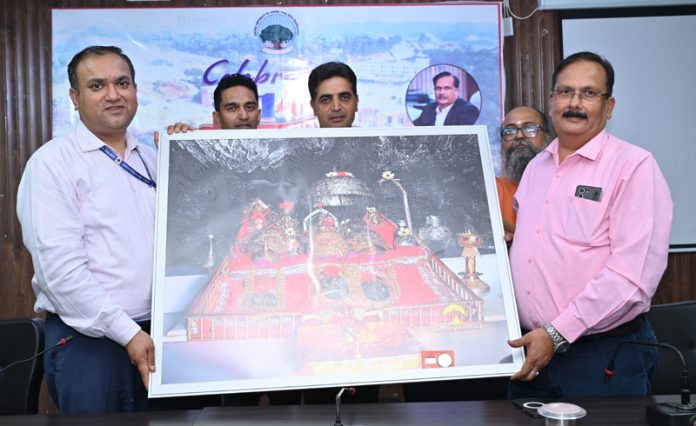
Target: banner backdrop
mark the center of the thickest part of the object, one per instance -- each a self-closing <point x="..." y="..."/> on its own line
<point x="180" y="54"/>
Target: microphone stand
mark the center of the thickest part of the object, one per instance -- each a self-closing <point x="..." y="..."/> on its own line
<point x="664" y="413"/>
<point x="351" y="391"/>
<point x="62" y="342"/>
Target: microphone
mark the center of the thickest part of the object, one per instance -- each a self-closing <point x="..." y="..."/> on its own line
<point x="685" y="388"/>
<point x="351" y="391"/>
<point x="62" y="342"/>
<point x="663" y="413"/>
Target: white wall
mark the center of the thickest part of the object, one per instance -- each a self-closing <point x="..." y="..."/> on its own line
<point x="655" y="63"/>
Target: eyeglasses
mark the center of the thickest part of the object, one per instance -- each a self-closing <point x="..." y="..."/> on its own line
<point x="528" y="130"/>
<point x="587" y="95"/>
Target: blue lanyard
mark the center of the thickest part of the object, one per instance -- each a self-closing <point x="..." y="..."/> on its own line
<point x="125" y="166"/>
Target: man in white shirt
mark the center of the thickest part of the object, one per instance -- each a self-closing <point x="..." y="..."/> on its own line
<point x="448" y="109"/>
<point x="86" y="203"/>
<point x="333" y="92"/>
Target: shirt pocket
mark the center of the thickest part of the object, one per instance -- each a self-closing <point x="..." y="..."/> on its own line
<point x="584" y="222"/>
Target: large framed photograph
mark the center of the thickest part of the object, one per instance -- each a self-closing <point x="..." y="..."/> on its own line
<point x="291" y="259"/>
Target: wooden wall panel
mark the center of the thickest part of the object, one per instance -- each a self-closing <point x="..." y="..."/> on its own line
<point x="530" y="55"/>
<point x="26" y="101"/>
<point x="679" y="281"/>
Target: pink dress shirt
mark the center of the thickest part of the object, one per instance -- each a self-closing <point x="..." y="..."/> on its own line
<point x="89" y="226"/>
<point x="587" y="266"/>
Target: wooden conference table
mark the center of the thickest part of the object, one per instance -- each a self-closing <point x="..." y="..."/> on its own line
<point x="605" y="411"/>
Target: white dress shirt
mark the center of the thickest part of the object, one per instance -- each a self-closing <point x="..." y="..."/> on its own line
<point x="441" y="114"/>
<point x="89" y="226"/>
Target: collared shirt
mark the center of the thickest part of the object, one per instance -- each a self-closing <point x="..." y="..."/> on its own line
<point x="588" y="266"/>
<point x="89" y="226"/>
<point x="441" y="115"/>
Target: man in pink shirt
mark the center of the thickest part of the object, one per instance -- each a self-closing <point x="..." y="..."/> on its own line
<point x="594" y="215"/>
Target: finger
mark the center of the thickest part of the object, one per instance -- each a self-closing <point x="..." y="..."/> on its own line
<point x="517" y="343"/>
<point x="528" y="377"/>
<point x="171" y="129"/>
<point x="157" y="139"/>
<point x="517" y="376"/>
<point x="528" y="367"/>
<point x="532" y="375"/>
<point x="183" y="127"/>
<point x="144" y="374"/>
<point x="526" y="374"/>
<point x="522" y="374"/>
<point x="151" y="359"/>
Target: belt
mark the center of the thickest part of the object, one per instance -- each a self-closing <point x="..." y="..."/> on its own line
<point x="624" y="329"/>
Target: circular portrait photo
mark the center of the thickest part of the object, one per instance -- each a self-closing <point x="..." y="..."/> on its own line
<point x="443" y="95"/>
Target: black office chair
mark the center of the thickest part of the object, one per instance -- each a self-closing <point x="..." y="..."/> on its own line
<point x="675" y="324"/>
<point x="20" y="383"/>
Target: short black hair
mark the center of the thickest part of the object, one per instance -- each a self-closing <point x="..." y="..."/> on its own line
<point x="330" y="70"/>
<point x="232" y="80"/>
<point x="586" y="56"/>
<point x="95" y="50"/>
<point x="447" y="74"/>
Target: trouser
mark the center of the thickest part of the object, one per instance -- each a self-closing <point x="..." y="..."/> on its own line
<point x="580" y="371"/>
<point x="90" y="375"/>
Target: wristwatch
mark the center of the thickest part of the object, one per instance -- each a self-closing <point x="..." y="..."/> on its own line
<point x="560" y="344"/>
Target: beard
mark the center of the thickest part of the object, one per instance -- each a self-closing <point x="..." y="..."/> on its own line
<point x="517" y="157"/>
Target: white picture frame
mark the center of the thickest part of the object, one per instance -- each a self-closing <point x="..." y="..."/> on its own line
<point x="306" y="258"/>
